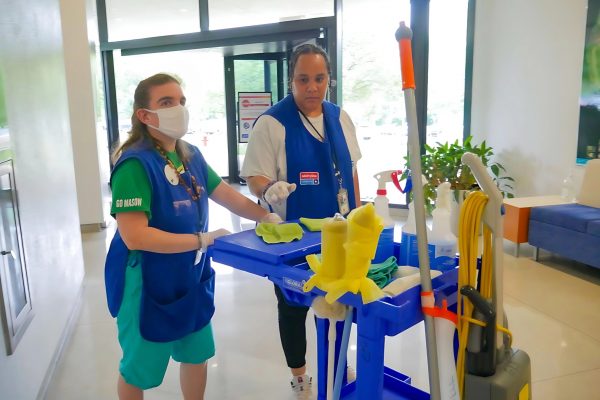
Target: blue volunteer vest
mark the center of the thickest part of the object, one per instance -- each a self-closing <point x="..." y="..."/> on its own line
<point x="310" y="162"/>
<point x="177" y="296"/>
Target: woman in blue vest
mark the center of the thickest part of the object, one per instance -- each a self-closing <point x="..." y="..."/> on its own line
<point x="159" y="282"/>
<point x="301" y="162"/>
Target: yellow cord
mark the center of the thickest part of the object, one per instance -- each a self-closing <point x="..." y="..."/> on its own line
<point x="483" y="325"/>
<point x="470" y="223"/>
<point x="468" y="247"/>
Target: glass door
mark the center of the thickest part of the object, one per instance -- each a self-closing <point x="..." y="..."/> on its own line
<point x="260" y="73"/>
<point x="202" y="79"/>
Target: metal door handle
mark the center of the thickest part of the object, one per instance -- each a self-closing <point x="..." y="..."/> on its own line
<point x="12" y="253"/>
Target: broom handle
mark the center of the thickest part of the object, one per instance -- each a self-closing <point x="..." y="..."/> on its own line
<point x="339" y="374"/>
<point x="404" y="36"/>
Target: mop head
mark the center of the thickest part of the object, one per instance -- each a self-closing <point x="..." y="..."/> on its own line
<point x="335" y="311"/>
<point x="316" y="280"/>
<point x="348" y="248"/>
<point x="330" y="267"/>
<point x="364" y="228"/>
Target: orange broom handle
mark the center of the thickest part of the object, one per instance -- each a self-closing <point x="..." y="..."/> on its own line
<point x="404" y="37"/>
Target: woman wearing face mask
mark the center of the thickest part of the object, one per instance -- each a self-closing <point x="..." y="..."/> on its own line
<point x="159" y="282"/>
<point x="301" y="162"/>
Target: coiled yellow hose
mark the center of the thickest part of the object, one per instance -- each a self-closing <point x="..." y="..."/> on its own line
<point x="470" y="222"/>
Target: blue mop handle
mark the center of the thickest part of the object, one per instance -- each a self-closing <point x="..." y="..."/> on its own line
<point x="339" y="373"/>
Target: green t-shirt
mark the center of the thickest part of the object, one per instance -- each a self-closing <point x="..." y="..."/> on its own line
<point x="131" y="190"/>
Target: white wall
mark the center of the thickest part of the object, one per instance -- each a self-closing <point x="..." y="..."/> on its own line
<point x="80" y="43"/>
<point x="32" y="63"/>
<point x="527" y="70"/>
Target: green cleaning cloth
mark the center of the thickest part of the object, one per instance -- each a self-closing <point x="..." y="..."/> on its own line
<point x="279" y="233"/>
<point x="382" y="273"/>
<point x="314" y="224"/>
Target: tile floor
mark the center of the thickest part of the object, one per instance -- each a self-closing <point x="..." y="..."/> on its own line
<point x="552" y="308"/>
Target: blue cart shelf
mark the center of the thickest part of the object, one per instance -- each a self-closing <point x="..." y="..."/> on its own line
<point x="285" y="265"/>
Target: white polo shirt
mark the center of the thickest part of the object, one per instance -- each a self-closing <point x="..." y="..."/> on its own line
<point x="266" y="156"/>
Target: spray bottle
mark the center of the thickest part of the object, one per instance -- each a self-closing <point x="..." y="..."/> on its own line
<point x="385" y="247"/>
<point x="443" y="240"/>
<point x="409" y="253"/>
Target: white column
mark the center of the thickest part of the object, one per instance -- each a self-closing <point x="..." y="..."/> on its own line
<point x="90" y="155"/>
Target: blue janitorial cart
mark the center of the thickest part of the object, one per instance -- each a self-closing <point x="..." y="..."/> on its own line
<point x="285" y="265"/>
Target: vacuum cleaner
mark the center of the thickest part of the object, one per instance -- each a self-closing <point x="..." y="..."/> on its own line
<point x="488" y="368"/>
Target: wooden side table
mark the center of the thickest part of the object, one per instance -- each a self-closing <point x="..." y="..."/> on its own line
<point x="516" y="217"/>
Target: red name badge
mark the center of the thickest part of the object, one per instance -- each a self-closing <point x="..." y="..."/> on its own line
<point x="309" y="178"/>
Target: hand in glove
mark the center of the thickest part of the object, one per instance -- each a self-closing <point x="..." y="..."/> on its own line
<point x="278" y="192"/>
<point x="206" y="239"/>
<point x="271" y="218"/>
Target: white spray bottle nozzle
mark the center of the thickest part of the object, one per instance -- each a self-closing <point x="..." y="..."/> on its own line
<point x="381" y="201"/>
<point x="383" y="177"/>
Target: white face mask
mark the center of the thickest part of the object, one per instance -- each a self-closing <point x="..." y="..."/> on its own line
<point x="172" y="121"/>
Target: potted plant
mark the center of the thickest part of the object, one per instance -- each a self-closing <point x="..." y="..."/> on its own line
<point x="442" y="163"/>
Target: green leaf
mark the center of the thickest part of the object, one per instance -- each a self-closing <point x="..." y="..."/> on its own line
<point x="442" y="163"/>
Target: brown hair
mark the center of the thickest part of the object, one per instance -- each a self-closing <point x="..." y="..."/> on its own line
<point x="139" y="131"/>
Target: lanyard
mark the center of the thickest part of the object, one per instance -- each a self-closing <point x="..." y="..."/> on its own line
<point x="336" y="170"/>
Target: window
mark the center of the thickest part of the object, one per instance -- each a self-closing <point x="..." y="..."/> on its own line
<point x="201" y="72"/>
<point x="446" y="84"/>
<point x="236" y="13"/>
<point x="4" y="138"/>
<point x="372" y="88"/>
<point x="135" y="19"/>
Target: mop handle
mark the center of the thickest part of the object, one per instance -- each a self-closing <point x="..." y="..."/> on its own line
<point x="406" y="62"/>
<point x="404" y="37"/>
<point x="331" y="358"/>
<point x="339" y="373"/>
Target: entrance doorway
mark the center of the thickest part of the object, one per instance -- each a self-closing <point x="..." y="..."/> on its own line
<point x="212" y="76"/>
<point x="261" y="73"/>
<point x="201" y="73"/>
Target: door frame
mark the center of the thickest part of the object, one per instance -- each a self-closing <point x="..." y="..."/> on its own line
<point x="231" y="101"/>
<point x="281" y="36"/>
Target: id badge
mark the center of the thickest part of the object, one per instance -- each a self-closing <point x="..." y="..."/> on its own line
<point x="342" y="199"/>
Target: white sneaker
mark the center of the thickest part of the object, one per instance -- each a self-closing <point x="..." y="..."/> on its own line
<point x="302" y="385"/>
